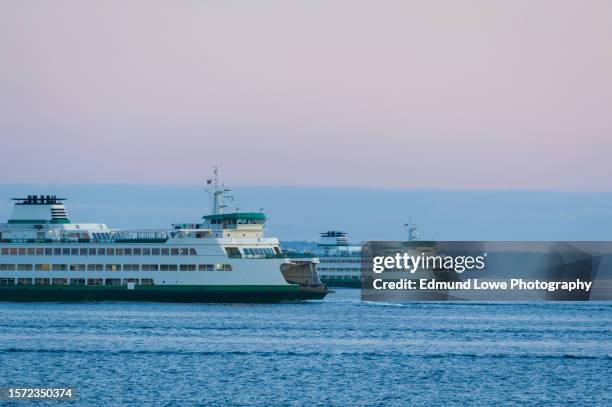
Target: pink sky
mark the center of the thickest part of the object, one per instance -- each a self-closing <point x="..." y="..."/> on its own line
<point x="400" y="94"/>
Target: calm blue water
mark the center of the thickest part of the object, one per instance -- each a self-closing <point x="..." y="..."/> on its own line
<point x="334" y="352"/>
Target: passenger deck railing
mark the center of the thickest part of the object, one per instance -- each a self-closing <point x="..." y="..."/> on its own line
<point x="149" y="236"/>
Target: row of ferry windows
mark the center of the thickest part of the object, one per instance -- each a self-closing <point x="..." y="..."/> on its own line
<point x="117" y="267"/>
<point x="258" y="251"/>
<point x="337" y="260"/>
<point x="237" y="221"/>
<point x="100" y="251"/>
<point x="76" y="281"/>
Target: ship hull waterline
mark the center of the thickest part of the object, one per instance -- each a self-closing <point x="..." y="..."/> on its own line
<point x="168" y="293"/>
<point x="340" y="282"/>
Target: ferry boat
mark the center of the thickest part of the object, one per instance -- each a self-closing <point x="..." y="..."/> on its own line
<point x="340" y="261"/>
<point x="223" y="258"/>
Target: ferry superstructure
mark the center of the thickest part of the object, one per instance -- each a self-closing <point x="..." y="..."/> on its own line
<point x="223" y="258"/>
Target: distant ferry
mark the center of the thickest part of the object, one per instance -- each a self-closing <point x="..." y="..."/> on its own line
<point x="340" y="261"/>
<point x="223" y="258"/>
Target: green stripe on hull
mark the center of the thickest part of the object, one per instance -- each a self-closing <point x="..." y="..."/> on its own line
<point x="175" y="293"/>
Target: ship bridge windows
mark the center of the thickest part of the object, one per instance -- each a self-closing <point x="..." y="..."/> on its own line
<point x="259" y="251"/>
<point x="232" y="251"/>
<point x="251" y="221"/>
<point x="229" y="223"/>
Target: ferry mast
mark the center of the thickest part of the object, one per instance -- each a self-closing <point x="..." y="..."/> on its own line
<point x="413" y="230"/>
<point x="217" y="192"/>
